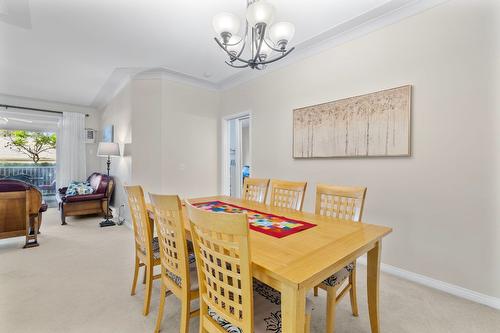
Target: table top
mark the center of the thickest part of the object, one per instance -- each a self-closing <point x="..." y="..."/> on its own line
<point x="310" y="253"/>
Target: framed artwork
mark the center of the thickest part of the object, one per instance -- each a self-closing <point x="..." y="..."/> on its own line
<point x="375" y="124"/>
<point x="107" y="133"/>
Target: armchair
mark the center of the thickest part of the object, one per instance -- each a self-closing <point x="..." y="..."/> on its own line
<point x="86" y="204"/>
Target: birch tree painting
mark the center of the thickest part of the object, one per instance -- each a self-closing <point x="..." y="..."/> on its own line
<point x="376" y="124"/>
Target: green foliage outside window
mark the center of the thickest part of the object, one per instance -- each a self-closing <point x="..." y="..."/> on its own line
<point x="31" y="144"/>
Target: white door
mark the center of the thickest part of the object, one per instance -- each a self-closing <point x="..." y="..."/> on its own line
<point x="237" y="156"/>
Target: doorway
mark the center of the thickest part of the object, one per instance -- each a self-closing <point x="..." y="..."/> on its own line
<point x="237" y="161"/>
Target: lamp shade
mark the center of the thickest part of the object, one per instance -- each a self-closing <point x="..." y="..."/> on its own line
<point x="281" y="32"/>
<point x="226" y="23"/>
<point x="260" y="12"/>
<point x="108" y="149"/>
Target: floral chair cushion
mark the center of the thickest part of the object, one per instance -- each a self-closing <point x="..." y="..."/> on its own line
<point x="193" y="275"/>
<point x="340" y="276"/>
<point x="267" y="310"/>
<point x="79" y="188"/>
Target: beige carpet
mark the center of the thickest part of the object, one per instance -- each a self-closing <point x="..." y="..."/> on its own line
<point x="78" y="280"/>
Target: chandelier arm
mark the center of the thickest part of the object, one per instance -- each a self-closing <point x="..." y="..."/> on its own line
<point x="236" y="66"/>
<point x="244" y="42"/>
<point x="229" y="54"/>
<point x="262" y="37"/>
<point x="272" y="48"/>
<point x="277" y="58"/>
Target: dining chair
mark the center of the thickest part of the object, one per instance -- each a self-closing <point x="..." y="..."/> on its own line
<point x="147" y="250"/>
<point x="230" y="299"/>
<point x="346" y="203"/>
<point x="255" y="189"/>
<point x="178" y="268"/>
<point x="287" y="194"/>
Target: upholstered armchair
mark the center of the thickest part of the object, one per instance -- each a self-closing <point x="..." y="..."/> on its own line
<point x="21" y="209"/>
<point x="86" y="204"/>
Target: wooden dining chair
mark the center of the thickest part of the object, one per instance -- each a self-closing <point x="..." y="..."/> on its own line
<point x="147" y="250"/>
<point x="255" y="189"/>
<point x="178" y="268"/>
<point x="287" y="194"/>
<point x="346" y="203"/>
<point x="230" y="299"/>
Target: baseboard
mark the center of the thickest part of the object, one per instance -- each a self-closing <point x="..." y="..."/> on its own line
<point x="446" y="287"/>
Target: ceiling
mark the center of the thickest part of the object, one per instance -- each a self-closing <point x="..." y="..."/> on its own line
<point x="77" y="51"/>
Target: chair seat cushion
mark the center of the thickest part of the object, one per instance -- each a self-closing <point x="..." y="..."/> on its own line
<point x="340" y="276"/>
<point x="193" y="274"/>
<point x="156" y="248"/>
<point x="267" y="310"/>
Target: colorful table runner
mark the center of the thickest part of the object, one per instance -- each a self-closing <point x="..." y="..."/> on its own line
<point x="269" y="224"/>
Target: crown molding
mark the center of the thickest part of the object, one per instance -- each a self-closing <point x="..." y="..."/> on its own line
<point x="44" y="104"/>
<point x="121" y="76"/>
<point x="377" y="18"/>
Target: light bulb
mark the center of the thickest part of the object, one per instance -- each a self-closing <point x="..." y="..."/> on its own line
<point x="226" y="23"/>
<point x="260" y="12"/>
<point x="281" y="33"/>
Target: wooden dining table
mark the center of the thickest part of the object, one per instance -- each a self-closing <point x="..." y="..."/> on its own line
<point x="296" y="263"/>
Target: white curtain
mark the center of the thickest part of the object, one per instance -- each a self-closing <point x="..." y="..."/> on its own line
<point x="71" y="162"/>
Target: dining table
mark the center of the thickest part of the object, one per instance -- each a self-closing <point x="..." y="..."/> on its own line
<point x="300" y="261"/>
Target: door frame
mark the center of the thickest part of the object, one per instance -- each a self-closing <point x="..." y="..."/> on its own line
<point x="225" y="154"/>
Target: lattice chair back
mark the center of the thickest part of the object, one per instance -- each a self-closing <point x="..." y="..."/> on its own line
<point x="169" y="224"/>
<point x="286" y="194"/>
<point x="341" y="202"/>
<point x="224" y="267"/>
<point x="140" y="219"/>
<point x="255" y="189"/>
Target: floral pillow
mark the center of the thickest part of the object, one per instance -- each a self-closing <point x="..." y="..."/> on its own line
<point x="79" y="188"/>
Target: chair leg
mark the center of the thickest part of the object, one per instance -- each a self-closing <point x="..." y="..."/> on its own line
<point x="149" y="285"/>
<point x="331" y="295"/>
<point x="136" y="273"/>
<point x="145" y="275"/>
<point x="163" y="295"/>
<point x="185" y="310"/>
<point x="352" y="292"/>
<point x="316" y="291"/>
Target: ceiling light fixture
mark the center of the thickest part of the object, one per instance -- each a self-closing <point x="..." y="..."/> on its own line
<point x="263" y="42"/>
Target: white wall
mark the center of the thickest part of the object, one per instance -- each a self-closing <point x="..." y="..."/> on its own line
<point x="442" y="202"/>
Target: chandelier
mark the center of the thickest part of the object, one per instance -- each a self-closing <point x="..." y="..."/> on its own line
<point x="267" y="43"/>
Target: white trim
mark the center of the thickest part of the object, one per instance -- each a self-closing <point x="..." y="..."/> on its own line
<point x="446" y="287"/>
<point x="43" y="104"/>
<point x="379" y="17"/>
<point x="359" y="26"/>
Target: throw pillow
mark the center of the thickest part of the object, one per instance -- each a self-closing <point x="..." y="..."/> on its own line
<point x="79" y="188"/>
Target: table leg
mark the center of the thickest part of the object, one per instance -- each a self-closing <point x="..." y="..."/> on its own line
<point x="293" y="309"/>
<point x="373" y="277"/>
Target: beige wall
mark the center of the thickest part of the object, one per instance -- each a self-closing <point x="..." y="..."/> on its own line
<point x="443" y="201"/>
<point x="190" y="126"/>
<point x="119" y="114"/>
<point x="168" y="132"/>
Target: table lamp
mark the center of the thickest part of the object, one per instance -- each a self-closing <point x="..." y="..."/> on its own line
<point x="108" y="149"/>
